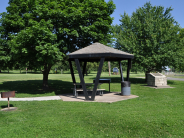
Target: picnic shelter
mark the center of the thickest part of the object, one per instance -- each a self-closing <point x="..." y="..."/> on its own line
<point x="94" y="53"/>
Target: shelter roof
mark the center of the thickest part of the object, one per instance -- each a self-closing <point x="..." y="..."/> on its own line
<point x="97" y="50"/>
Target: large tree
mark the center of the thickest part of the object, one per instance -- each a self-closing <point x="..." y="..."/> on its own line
<point x="42" y="31"/>
<point x="151" y="34"/>
<point x="180" y="60"/>
<point x="4" y="48"/>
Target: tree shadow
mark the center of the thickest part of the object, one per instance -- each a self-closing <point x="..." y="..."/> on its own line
<point x="171" y="82"/>
<point x="22" y="72"/>
<point x="132" y="80"/>
<point x="35" y="87"/>
<point x="5" y="106"/>
<point x="118" y="80"/>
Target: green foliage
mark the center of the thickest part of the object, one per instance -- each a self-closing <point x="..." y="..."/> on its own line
<point x="4" y="48"/>
<point x="151" y="34"/>
<point x="40" y="31"/>
<point x="180" y="59"/>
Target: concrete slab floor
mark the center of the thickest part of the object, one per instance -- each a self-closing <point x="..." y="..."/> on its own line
<point x="107" y="97"/>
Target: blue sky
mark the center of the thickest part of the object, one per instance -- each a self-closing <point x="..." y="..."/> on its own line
<point x="130" y="6"/>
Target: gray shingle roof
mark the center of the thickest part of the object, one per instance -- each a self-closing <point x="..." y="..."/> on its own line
<point x="97" y="50"/>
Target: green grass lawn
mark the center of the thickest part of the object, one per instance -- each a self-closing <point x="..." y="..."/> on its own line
<point x="30" y="85"/>
<point x="155" y="113"/>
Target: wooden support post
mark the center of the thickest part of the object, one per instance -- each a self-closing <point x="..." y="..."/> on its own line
<point x="71" y="71"/>
<point x="84" y="68"/>
<point x="109" y="65"/>
<point x="97" y="78"/>
<point x="128" y="69"/>
<point x="82" y="79"/>
<point x="8" y="102"/>
<point x="121" y="71"/>
<point x="109" y="86"/>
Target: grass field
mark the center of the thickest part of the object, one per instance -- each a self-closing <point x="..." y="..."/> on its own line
<point x="155" y="113"/>
<point x="30" y="85"/>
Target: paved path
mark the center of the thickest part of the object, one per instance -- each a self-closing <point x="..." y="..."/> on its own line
<point x="107" y="97"/>
<point x="170" y="78"/>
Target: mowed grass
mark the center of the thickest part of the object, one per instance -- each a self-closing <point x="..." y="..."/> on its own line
<point x="155" y="113"/>
<point x="30" y="85"/>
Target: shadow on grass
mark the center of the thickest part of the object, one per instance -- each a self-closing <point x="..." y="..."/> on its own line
<point x="23" y="72"/>
<point x="20" y="73"/>
<point x="5" y="106"/>
<point x="171" y="82"/>
<point x="132" y="80"/>
<point x="118" y="80"/>
<point x="35" y="87"/>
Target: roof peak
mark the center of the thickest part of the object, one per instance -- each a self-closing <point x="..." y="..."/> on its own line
<point x="98" y="49"/>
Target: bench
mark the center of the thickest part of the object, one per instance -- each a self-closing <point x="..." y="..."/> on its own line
<point x="75" y="91"/>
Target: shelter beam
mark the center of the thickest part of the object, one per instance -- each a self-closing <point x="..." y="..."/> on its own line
<point x="84" y="68"/>
<point x="121" y="71"/>
<point x="97" y="78"/>
<point x="82" y="79"/>
<point x="128" y="69"/>
<point x="71" y="71"/>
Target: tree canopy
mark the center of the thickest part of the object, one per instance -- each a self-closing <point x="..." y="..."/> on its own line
<point x="41" y="32"/>
<point x="4" y="48"/>
<point x="180" y="64"/>
<point x="151" y="34"/>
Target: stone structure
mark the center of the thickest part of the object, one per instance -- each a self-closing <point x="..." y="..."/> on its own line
<point x="156" y="80"/>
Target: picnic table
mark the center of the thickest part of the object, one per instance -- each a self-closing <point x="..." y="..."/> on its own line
<point x="104" y="81"/>
<point x="76" y="90"/>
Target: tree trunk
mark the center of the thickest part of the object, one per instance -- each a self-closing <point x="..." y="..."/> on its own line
<point x="45" y="76"/>
<point x="0" y="71"/>
<point x="146" y="76"/>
